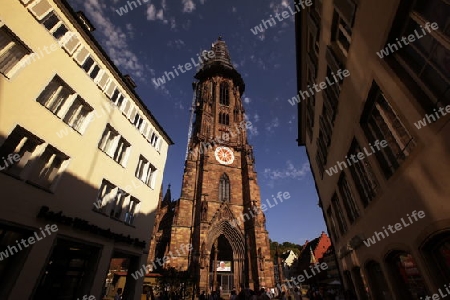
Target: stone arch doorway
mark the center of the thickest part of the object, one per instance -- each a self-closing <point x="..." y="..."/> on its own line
<point x="221" y="269"/>
<point x="224" y="243"/>
<point x="407" y="278"/>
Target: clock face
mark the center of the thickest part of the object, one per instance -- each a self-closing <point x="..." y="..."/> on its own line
<point x="224" y="155"/>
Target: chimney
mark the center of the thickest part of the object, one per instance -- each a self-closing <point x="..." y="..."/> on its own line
<point x="129" y="81"/>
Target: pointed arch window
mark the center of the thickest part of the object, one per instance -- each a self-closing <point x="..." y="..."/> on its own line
<point x="224" y="94"/>
<point x="224" y="119"/>
<point x="224" y="188"/>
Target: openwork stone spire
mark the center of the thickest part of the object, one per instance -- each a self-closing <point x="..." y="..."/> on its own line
<point x="221" y="63"/>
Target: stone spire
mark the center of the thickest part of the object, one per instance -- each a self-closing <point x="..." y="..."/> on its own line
<point x="221" y="63"/>
<point x="168" y="197"/>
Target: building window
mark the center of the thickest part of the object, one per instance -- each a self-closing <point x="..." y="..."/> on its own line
<point x="106" y="194"/>
<point x="333" y="91"/>
<point x="326" y="128"/>
<point x="310" y="106"/>
<point x="224" y="188"/>
<point x="57" y="96"/>
<point x="112" y="201"/>
<point x="24" y="144"/>
<point x="117" y="98"/>
<point x="114" y="145"/>
<point x="437" y="253"/>
<point x="380" y="122"/>
<point x="117" y="204"/>
<point x="146" y="172"/>
<point x="137" y="122"/>
<point x="12" y="50"/>
<point x="407" y="278"/>
<point x="87" y="64"/>
<point x="424" y="61"/>
<point x="42" y="169"/>
<point x="87" y="67"/>
<point x="323" y="142"/>
<point x="310" y="117"/>
<point x="313" y="32"/>
<point x="224" y="94"/>
<point x="341" y="29"/>
<point x="154" y="139"/>
<point x="94" y="72"/>
<point x="47" y="167"/>
<point x="377" y="280"/>
<point x="224" y="119"/>
<point x="54" y="25"/>
<point x="362" y="174"/>
<point x="348" y="199"/>
<point x="121" y="150"/>
<point x="77" y="113"/>
<point x="340" y="216"/>
<point x="131" y="210"/>
<point x="332" y="223"/>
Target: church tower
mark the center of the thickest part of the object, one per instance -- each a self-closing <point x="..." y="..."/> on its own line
<point x="218" y="212"/>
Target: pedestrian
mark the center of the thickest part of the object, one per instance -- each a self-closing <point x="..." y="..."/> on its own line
<point x="150" y="294"/>
<point x="241" y="295"/>
<point x="202" y="296"/>
<point x="297" y="294"/>
<point x="118" y="295"/>
<point x="233" y="295"/>
<point x="263" y="295"/>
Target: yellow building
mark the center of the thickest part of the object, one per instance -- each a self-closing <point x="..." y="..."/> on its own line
<point x="81" y="158"/>
<point x="378" y="138"/>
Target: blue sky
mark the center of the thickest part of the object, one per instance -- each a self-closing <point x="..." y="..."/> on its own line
<point x="156" y="35"/>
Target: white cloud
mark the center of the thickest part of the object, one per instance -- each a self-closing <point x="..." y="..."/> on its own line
<point x="154" y="14"/>
<point x="187" y="25"/>
<point x="151" y="12"/>
<point x="173" y="23"/>
<point x="160" y="15"/>
<point x="252" y="130"/>
<point x="273" y="124"/>
<point x="179" y="105"/>
<point x="262" y="36"/>
<point x="113" y="38"/>
<point x="290" y="171"/>
<point x="188" y="6"/>
<point x="247" y="100"/>
<point x="256" y="117"/>
<point x="178" y="44"/>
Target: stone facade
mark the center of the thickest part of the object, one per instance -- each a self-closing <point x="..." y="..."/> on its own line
<point x="216" y="212"/>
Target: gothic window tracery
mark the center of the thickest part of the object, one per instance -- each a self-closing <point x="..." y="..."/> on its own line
<point x="224" y="188"/>
<point x="224" y="119"/>
<point x="224" y="94"/>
